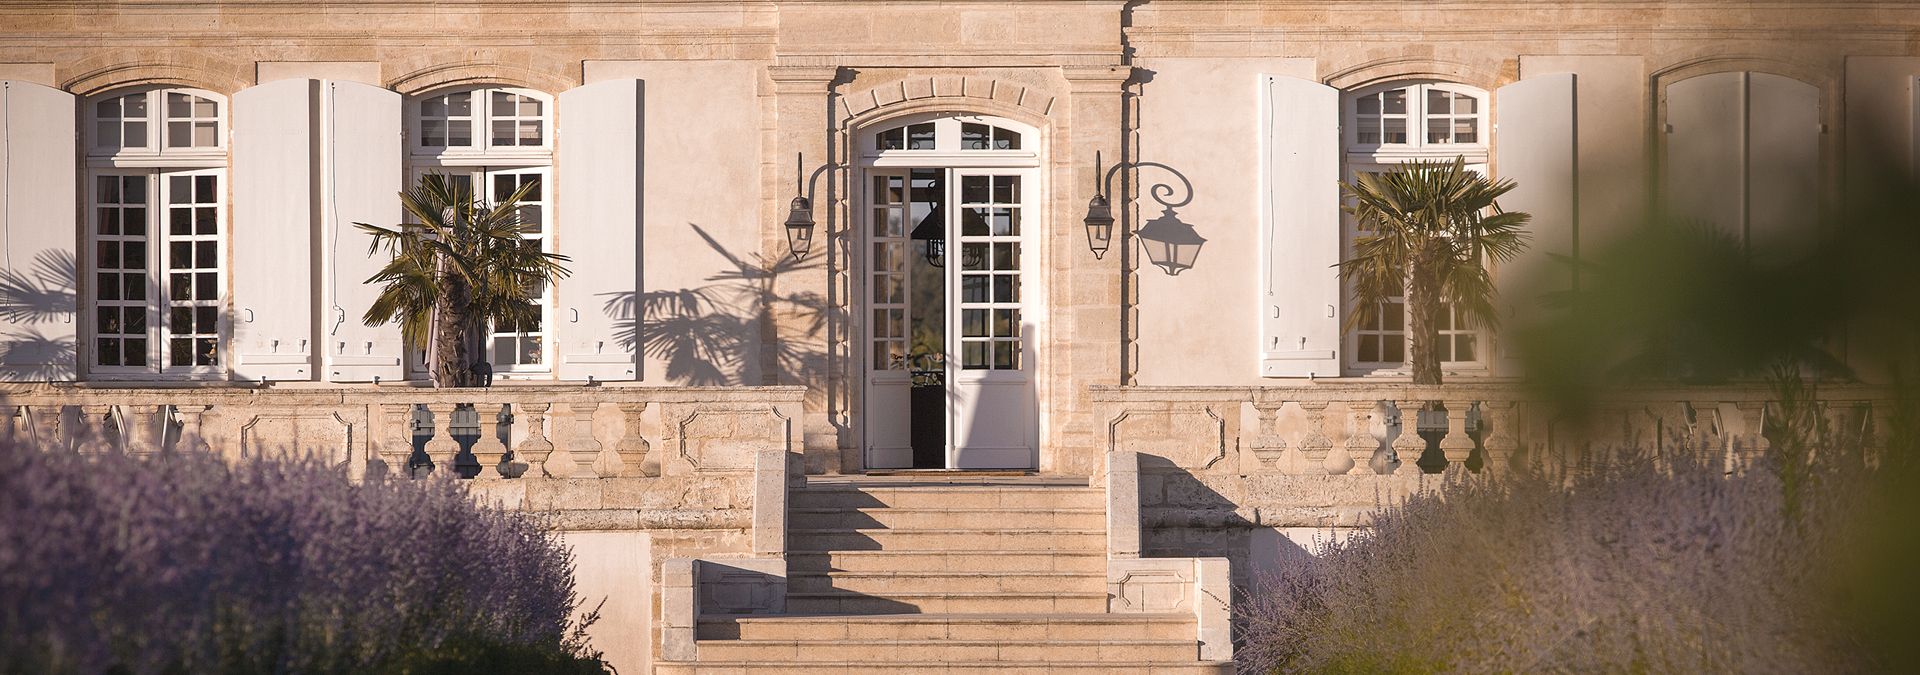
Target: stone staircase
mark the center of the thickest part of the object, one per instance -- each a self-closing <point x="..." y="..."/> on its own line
<point x="947" y="574"/>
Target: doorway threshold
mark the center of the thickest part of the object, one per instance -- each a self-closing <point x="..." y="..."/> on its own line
<point x="952" y="472"/>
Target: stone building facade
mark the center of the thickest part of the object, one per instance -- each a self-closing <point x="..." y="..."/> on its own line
<point x="181" y="181"/>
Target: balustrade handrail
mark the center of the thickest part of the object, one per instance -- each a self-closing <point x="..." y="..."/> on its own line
<point x="1470" y="391"/>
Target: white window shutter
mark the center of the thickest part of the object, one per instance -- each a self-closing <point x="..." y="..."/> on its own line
<point x="1537" y="152"/>
<point x="361" y="164"/>
<point x="38" y="289"/>
<point x="1783" y="164"/>
<point x="599" y="227"/>
<point x="1300" y="229"/>
<point x="273" y="210"/>
<point x="1705" y="158"/>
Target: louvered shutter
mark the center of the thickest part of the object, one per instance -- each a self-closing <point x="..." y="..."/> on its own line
<point x="38" y="289"/>
<point x="361" y="158"/>
<point x="599" y="227"/>
<point x="1300" y="229"/>
<point x="273" y="216"/>
<point x="1536" y="150"/>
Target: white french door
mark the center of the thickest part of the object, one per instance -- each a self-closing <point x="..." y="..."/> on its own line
<point x="511" y="349"/>
<point x="948" y="377"/>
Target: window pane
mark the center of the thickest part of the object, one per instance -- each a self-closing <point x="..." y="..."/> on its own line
<point x="205" y="288"/>
<point x="178" y="105"/>
<point x="133" y="287"/>
<point x="1369" y="348"/>
<point x="180" y="319"/>
<point x="109" y="349"/>
<point x="973" y="288"/>
<point x="1395" y="130"/>
<point x="1463" y="348"/>
<point x="180" y="255"/>
<point x="1005" y="322"/>
<point x="106" y="134"/>
<point x="1437" y="131"/>
<point x="108" y="109"/>
<point x="973" y="323"/>
<point x="203" y="135"/>
<point x="203" y="190"/>
<point x="975" y="136"/>
<point x="1465" y="131"/>
<point x="133" y="255"/>
<point x="205" y="352"/>
<point x="975" y="189"/>
<point x="134" y="135"/>
<point x="1367" y="105"/>
<point x="433" y="133"/>
<point x="460" y="104"/>
<point x="1006" y="288"/>
<point x="1006" y="355"/>
<point x="107" y="285"/>
<point x="1005" y="139"/>
<point x="180" y="286"/>
<point x="180" y="221"/>
<point x="973" y="355"/>
<point x="180" y="352"/>
<point x="503" y="103"/>
<point x="1006" y="222"/>
<point x="134" y="351"/>
<point x="107" y="320"/>
<point x="1006" y="189"/>
<point x="1395" y="102"/>
<point x="530" y="133"/>
<point x="1395" y="348"/>
<point x="1006" y="256"/>
<point x="891" y="139"/>
<point x="973" y="256"/>
<point x="136" y="320"/>
<point x="920" y="136"/>
<point x="107" y="254"/>
<point x="503" y="132"/>
<point x="459" y="134"/>
<point x="205" y="220"/>
<point x="179" y="134"/>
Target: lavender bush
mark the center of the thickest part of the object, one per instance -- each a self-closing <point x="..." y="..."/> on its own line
<point x="186" y="564"/>
<point x="1632" y="564"/>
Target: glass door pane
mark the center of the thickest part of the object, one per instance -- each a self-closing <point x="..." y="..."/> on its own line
<point x="927" y="317"/>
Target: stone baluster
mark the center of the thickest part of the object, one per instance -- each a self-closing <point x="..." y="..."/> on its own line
<point x="1361" y="445"/>
<point x="1267" y="445"/>
<point x="441" y="449"/>
<point x="10" y="430"/>
<point x="396" y="447"/>
<point x="1314" y="445"/>
<point x="635" y="451"/>
<point x="489" y="450"/>
<point x="580" y="447"/>
<point x="46" y="427"/>
<point x="1873" y="438"/>
<point x="96" y="431"/>
<point x="1457" y="445"/>
<point x="193" y="428"/>
<point x="535" y="449"/>
<point x="144" y="429"/>
<point x="1753" y="444"/>
<point x="1408" y="446"/>
<point x="1502" y="445"/>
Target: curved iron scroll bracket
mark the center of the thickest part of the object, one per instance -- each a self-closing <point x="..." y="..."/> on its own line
<point x="1159" y="191"/>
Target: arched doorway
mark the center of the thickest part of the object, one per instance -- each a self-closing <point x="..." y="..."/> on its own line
<point x="949" y="213"/>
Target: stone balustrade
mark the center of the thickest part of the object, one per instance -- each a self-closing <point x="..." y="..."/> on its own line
<point x="516" y="431"/>
<point x="1256" y="471"/>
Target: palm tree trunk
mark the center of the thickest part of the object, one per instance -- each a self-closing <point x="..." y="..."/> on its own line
<point x="1423" y="299"/>
<point x="453" y="336"/>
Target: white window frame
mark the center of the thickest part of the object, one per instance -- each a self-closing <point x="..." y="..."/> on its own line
<point x="1416" y="146"/>
<point x="1376" y="157"/>
<point x="482" y="161"/>
<point x="482" y="150"/>
<point x="948" y="150"/>
<point x="156" y="163"/>
<point x="156" y="153"/>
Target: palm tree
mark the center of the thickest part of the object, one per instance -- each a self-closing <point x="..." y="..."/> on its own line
<point x="462" y="265"/>
<point x="1428" y="230"/>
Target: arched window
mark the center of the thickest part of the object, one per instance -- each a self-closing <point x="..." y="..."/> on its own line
<point x="156" y="217"/>
<point x="1392" y="124"/>
<point x="946" y="134"/>
<point x="1418" y="117"/>
<point x="493" y="140"/>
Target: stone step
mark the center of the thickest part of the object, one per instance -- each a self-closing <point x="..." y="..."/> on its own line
<point x="949" y="651"/>
<point x="992" y="518"/>
<point x="1021" y="497"/>
<point x="872" y="539"/>
<point x="981" y="602"/>
<point x="929" y="668"/>
<point x="1028" y="627"/>
<point x="889" y="582"/>
<point x="1092" y="561"/>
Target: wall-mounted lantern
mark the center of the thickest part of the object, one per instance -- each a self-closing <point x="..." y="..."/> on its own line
<point x="1170" y="244"/>
<point x="799" y="223"/>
